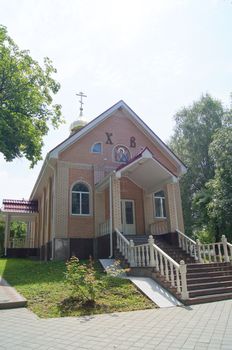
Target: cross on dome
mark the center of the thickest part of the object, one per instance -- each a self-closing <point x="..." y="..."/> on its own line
<point x="81" y="94"/>
<point x="81" y="121"/>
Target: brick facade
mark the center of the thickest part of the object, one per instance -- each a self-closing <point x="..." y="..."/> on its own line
<point x="77" y="163"/>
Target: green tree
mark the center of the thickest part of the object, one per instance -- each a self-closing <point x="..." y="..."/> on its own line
<point x="220" y="206"/>
<point x="18" y="229"/>
<point x="193" y="133"/>
<point x="26" y="96"/>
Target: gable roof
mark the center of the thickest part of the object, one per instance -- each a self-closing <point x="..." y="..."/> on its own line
<point x="141" y="170"/>
<point x="120" y="105"/>
<point x="92" y="124"/>
<point x="144" y="153"/>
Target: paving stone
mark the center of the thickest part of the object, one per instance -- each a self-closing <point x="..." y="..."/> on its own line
<point x="207" y="326"/>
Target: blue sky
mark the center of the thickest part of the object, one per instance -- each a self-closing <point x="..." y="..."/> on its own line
<point x="157" y="56"/>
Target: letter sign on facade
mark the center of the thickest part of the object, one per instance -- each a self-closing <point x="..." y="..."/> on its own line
<point x="109" y="141"/>
<point x="132" y="142"/>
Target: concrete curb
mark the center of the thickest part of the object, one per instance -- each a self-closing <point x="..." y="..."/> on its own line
<point x="9" y="297"/>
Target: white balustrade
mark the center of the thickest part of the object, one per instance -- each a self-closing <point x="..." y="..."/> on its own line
<point x="150" y="255"/>
<point x="171" y="271"/>
<point x="187" y="244"/>
<point x="124" y="246"/>
<point x="206" y="253"/>
<point x="215" y="252"/>
<point x="104" y="228"/>
<point x="229" y="247"/>
<point x="21" y="243"/>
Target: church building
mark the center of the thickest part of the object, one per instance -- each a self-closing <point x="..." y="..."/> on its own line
<point x="111" y="173"/>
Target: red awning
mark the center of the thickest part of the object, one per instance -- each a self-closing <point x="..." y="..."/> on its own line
<point x="19" y="206"/>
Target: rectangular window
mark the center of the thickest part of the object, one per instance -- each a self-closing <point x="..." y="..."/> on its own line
<point x="129" y="213"/>
<point x="159" y="199"/>
<point x="158" y="207"/>
<point x="85" y="203"/>
<point x="76" y="203"/>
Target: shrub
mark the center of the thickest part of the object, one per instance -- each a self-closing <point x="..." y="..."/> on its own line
<point x="82" y="280"/>
<point x="205" y="236"/>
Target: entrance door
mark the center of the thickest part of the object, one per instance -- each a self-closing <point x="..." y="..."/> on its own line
<point x="128" y="217"/>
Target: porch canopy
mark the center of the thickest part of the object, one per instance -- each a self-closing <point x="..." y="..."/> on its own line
<point x="21" y="210"/>
<point x="146" y="171"/>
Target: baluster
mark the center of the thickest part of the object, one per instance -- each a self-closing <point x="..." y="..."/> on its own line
<point x="177" y="280"/>
<point x="123" y="247"/>
<point x="143" y="256"/>
<point x="136" y="255"/>
<point x="179" y="240"/>
<point x="148" y="261"/>
<point x="132" y="253"/>
<point x="139" y="256"/>
<point x="195" y="252"/>
<point x="225" y="249"/>
<point x="166" y="269"/>
<point x="220" y="253"/>
<point x="230" y="247"/>
<point x="183" y="244"/>
<point x="190" y="249"/>
<point x="187" y="246"/>
<point x="161" y="264"/>
<point x="198" y="250"/>
<point x="126" y="250"/>
<point x="172" y="275"/>
<point x="204" y="252"/>
<point x="209" y="253"/>
<point x="157" y="261"/>
<point x="214" y="253"/>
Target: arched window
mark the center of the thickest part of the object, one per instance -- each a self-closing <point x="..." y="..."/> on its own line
<point x="96" y="147"/>
<point x="159" y="198"/>
<point x="80" y="199"/>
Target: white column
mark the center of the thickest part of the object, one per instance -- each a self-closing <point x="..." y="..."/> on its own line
<point x="198" y="249"/>
<point x="151" y="248"/>
<point x="183" y="272"/>
<point x="7" y="229"/>
<point x="224" y="242"/>
<point x="111" y="217"/>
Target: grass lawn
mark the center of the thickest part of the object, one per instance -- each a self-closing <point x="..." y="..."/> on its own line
<point x="43" y="285"/>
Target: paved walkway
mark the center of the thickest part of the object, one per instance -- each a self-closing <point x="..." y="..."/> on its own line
<point x="206" y="326"/>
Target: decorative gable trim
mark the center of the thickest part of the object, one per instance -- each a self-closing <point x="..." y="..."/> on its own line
<point x="91" y="125"/>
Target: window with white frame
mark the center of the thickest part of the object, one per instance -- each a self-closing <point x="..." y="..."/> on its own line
<point x="80" y="199"/>
<point x="159" y="200"/>
<point x="96" y="147"/>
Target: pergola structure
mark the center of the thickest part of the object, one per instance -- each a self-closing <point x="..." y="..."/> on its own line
<point x="21" y="210"/>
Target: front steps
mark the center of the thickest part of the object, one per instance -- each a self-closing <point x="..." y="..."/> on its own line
<point x="205" y="282"/>
<point x="172" y="250"/>
<point x="209" y="282"/>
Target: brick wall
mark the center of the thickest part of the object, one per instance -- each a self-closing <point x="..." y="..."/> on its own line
<point x="81" y="226"/>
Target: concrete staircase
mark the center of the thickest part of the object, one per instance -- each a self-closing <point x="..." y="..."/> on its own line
<point x="209" y="282"/>
<point x="206" y="282"/>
